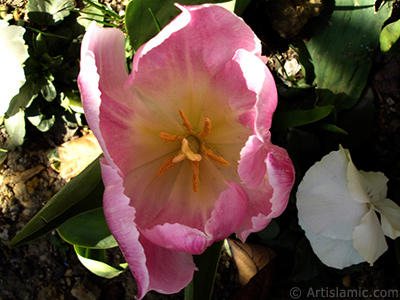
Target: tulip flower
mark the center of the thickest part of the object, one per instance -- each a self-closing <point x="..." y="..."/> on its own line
<point x="337" y="207"/>
<point x="13" y="53"/>
<point x="188" y="158"/>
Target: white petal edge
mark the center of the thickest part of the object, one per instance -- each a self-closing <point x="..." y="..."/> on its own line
<point x="368" y="237"/>
<point x="334" y="253"/>
<point x="323" y="201"/>
<point x="390" y="217"/>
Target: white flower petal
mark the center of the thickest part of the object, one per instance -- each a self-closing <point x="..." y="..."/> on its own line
<point x="356" y="184"/>
<point x="334" y="253"/>
<point x="390" y="217"/>
<point x="13" y="53"/>
<point x="375" y="185"/>
<point x="368" y="237"/>
<point x="324" y="202"/>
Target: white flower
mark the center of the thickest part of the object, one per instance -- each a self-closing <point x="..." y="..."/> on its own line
<point x="13" y="53"/>
<point x="337" y="207"/>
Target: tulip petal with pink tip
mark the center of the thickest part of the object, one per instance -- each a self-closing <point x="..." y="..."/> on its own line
<point x="154" y="268"/>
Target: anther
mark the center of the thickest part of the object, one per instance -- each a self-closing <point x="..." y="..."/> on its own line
<point x="196" y="170"/>
<point x="209" y="154"/>
<point x="185" y="123"/>
<point x="168" y="164"/>
<point x="206" y="128"/>
<point x="168" y="137"/>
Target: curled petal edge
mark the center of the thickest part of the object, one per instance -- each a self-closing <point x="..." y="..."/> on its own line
<point x="153" y="267"/>
<point x="274" y="184"/>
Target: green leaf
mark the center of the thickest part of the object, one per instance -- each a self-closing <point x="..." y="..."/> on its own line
<point x="389" y="38"/>
<point x="240" y="6"/>
<point x="90" y="13"/>
<point x="48" y="89"/>
<point x="3" y="155"/>
<point x="295" y="118"/>
<point x="40" y="44"/>
<point x="342" y="50"/>
<point x="332" y="128"/>
<point x="140" y="14"/>
<point x="94" y="261"/>
<point x="88" y="229"/>
<point x="15" y="127"/>
<point x="48" y="12"/>
<point x="83" y="193"/>
<point x="36" y="119"/>
<point x="358" y="131"/>
<point x="27" y="93"/>
<point x="46" y="124"/>
<point x="270" y="232"/>
<point x="201" y="286"/>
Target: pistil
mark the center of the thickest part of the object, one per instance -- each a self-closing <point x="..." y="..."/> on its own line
<point x="192" y="144"/>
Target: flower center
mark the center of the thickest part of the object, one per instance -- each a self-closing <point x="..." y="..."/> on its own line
<point x="192" y="145"/>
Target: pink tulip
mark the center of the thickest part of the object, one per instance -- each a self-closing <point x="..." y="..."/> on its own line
<point x="188" y="158"/>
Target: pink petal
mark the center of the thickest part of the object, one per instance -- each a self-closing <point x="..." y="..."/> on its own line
<point x="178" y="237"/>
<point x="154" y="268"/>
<point x="258" y="97"/>
<point x="252" y="168"/>
<point x="176" y="71"/>
<point x="228" y="213"/>
<point x="101" y="80"/>
<point x="268" y="191"/>
<point x="222" y="32"/>
<point x="225" y="219"/>
<point x="170" y="271"/>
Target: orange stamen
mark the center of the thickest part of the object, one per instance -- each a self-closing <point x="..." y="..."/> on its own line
<point x="191" y="142"/>
<point x="168" y="164"/>
<point x="185" y="123"/>
<point x="209" y="154"/>
<point x="196" y="170"/>
<point x="206" y="129"/>
<point x="168" y="137"/>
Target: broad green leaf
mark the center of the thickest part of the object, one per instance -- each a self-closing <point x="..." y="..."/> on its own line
<point x="201" y="286"/>
<point x="89" y="14"/>
<point x="94" y="261"/>
<point x="35" y="120"/>
<point x="46" y="124"/>
<point x="295" y="118"/>
<point x="27" y="93"/>
<point x="140" y="15"/>
<point x="15" y="127"/>
<point x="332" y="128"/>
<point x="48" y="89"/>
<point x="342" y="48"/>
<point x="270" y="232"/>
<point x="240" y="6"/>
<point x="48" y="12"/>
<point x="363" y="112"/>
<point x="83" y="193"/>
<point x="389" y="38"/>
<point x="88" y="229"/>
